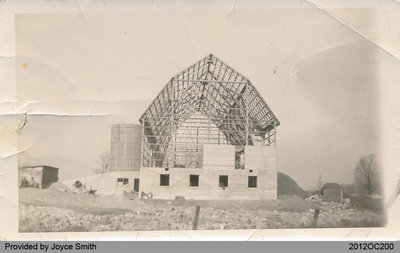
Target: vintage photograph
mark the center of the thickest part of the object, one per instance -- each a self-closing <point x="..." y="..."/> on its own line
<point x="252" y="118"/>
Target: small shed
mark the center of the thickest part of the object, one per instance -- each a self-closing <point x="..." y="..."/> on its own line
<point x="333" y="192"/>
<point x="41" y="176"/>
<point x="332" y="195"/>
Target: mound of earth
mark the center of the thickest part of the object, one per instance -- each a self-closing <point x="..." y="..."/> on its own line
<point x="294" y="203"/>
<point x="287" y="186"/>
<point x="58" y="186"/>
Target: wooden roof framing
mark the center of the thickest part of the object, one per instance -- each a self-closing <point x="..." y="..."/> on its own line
<point x="217" y="91"/>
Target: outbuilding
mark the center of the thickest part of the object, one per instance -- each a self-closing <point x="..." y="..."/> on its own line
<point x="41" y="176"/>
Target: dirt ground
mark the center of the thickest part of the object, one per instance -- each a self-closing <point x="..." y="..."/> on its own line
<point x="49" y="210"/>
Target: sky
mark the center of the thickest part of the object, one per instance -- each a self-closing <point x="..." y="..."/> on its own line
<point x="83" y="72"/>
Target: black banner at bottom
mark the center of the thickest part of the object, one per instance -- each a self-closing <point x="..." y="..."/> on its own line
<point x="200" y="247"/>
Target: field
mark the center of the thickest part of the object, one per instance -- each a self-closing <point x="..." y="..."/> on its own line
<point x="49" y="210"/>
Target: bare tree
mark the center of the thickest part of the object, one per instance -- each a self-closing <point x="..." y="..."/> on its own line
<point x="366" y="173"/>
<point x="319" y="182"/>
<point x="104" y="162"/>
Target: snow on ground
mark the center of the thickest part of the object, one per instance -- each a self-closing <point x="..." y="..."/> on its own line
<point x="49" y="210"/>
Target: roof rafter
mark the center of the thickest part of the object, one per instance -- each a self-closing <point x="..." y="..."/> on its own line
<point x="218" y="92"/>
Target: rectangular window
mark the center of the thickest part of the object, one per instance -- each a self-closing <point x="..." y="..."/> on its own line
<point x="136" y="184"/>
<point x="164" y="180"/>
<point x="252" y="182"/>
<point x="223" y="181"/>
<point x="122" y="181"/>
<point x="194" y="180"/>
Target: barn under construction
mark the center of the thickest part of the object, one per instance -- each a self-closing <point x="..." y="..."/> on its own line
<point x="207" y="135"/>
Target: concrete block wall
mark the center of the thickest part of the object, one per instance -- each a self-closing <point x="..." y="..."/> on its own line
<point x="260" y="157"/>
<point x="106" y="184"/>
<point x="131" y="175"/>
<point x="218" y="156"/>
<point x="260" y="160"/>
<point x="208" y="184"/>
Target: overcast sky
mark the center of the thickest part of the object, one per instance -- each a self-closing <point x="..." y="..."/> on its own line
<point x="107" y="67"/>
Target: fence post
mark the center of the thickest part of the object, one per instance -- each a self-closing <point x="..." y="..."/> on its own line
<point x="315" y="219"/>
<point x="196" y="218"/>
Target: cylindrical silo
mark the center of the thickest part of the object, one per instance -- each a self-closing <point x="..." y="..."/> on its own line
<point x="126" y="141"/>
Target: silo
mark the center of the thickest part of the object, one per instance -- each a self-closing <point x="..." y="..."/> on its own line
<point x="126" y="141"/>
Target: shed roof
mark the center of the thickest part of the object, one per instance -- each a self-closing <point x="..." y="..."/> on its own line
<point x="37" y="166"/>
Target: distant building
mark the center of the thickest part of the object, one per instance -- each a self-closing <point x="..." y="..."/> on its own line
<point x="332" y="195"/>
<point x="37" y="176"/>
<point x="333" y="192"/>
